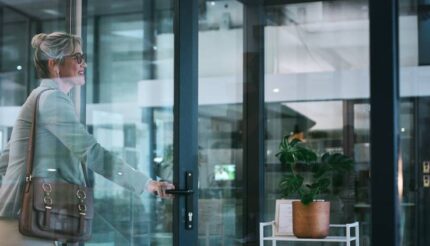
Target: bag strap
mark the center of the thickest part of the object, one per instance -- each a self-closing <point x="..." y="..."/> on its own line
<point x="31" y="147"/>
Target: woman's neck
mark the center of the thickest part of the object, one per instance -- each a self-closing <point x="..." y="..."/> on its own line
<point x="63" y="85"/>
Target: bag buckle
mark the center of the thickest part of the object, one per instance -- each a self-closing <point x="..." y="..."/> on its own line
<point x="28" y="178"/>
<point x="82" y="208"/>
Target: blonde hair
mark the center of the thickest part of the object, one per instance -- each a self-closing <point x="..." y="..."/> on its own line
<point x="54" y="46"/>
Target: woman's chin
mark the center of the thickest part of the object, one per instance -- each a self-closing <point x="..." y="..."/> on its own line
<point x="79" y="80"/>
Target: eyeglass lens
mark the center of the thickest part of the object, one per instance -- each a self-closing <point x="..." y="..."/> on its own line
<point x="80" y="58"/>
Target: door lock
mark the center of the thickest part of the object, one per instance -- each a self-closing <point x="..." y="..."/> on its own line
<point x="188" y="193"/>
<point x="426" y="167"/>
<point x="426" y="181"/>
<point x="190" y="217"/>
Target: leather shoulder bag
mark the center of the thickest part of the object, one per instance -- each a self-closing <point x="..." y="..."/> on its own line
<point x="54" y="210"/>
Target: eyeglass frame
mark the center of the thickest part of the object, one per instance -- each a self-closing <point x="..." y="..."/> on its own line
<point x="79" y="57"/>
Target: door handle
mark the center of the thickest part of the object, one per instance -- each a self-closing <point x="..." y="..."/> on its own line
<point x="188" y="193"/>
<point x="180" y="192"/>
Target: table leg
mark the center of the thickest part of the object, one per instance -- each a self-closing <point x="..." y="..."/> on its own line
<point x="261" y="235"/>
<point x="357" y="235"/>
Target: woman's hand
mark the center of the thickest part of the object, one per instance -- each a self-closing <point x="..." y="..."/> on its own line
<point x="159" y="188"/>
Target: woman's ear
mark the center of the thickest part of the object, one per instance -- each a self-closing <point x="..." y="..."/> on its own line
<point x="54" y="69"/>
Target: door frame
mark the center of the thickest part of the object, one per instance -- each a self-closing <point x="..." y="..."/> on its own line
<point x="185" y="114"/>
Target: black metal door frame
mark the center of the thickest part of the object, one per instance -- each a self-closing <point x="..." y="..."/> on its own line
<point x="185" y="110"/>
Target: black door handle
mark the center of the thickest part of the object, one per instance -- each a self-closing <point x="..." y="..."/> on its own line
<point x="188" y="192"/>
<point x="180" y="192"/>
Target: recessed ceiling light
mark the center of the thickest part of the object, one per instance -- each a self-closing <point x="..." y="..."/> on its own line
<point x="51" y="12"/>
<point x="130" y="33"/>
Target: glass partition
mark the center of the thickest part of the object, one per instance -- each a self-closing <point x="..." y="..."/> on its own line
<point x="220" y="123"/>
<point x="413" y="127"/>
<point x="129" y="101"/>
<point x="17" y="73"/>
<point x="317" y="88"/>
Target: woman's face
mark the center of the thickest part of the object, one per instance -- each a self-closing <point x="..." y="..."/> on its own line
<point x="71" y="71"/>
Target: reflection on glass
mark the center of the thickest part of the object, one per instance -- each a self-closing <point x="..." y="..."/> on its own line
<point x="220" y="122"/>
<point x="17" y="77"/>
<point x="17" y="74"/>
<point x="317" y="88"/>
<point x="413" y="128"/>
<point x="129" y="110"/>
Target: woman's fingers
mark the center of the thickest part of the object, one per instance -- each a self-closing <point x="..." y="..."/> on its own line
<point x="166" y="186"/>
<point x="159" y="188"/>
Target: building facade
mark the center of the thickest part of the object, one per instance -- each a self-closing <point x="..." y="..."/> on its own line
<point x="209" y="89"/>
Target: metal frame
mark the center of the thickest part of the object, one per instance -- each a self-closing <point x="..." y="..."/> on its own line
<point x="253" y="118"/>
<point x="73" y="26"/>
<point x="349" y="233"/>
<point x="149" y="38"/>
<point x="185" y="111"/>
<point x="384" y="102"/>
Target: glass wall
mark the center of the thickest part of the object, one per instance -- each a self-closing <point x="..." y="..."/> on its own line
<point x="129" y="101"/>
<point x="17" y="73"/>
<point x="220" y="122"/>
<point x="317" y="89"/>
<point x="413" y="122"/>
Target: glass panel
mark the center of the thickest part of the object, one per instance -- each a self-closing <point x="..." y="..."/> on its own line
<point x="17" y="73"/>
<point x="219" y="123"/>
<point x="129" y="101"/>
<point x="317" y="90"/>
<point x="413" y="127"/>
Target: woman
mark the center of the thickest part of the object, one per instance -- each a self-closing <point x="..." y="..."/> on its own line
<point x="62" y="143"/>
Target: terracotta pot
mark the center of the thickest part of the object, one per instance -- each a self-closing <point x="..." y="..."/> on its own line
<point x="312" y="220"/>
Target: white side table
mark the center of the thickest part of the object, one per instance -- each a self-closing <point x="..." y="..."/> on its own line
<point x="347" y="238"/>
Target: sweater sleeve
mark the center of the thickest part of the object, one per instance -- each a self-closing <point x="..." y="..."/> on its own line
<point x="56" y="113"/>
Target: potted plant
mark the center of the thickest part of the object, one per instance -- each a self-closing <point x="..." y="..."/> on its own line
<point x="311" y="216"/>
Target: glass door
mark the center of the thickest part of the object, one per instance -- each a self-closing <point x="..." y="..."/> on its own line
<point x="220" y="123"/>
<point x="129" y="110"/>
<point x="141" y="103"/>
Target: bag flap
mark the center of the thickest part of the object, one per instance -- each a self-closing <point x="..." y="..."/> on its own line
<point x="63" y="198"/>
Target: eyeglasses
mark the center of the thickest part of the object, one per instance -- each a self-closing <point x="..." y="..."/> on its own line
<point x="79" y="57"/>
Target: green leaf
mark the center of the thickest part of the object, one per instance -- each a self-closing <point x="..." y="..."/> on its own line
<point x="323" y="184"/>
<point x="294" y="141"/>
<point x="307" y="198"/>
<point x="290" y="184"/>
<point x="295" y="151"/>
<point x="325" y="156"/>
<point x="319" y="169"/>
<point x="338" y="163"/>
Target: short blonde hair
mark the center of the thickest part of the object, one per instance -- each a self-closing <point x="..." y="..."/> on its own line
<point x="55" y="46"/>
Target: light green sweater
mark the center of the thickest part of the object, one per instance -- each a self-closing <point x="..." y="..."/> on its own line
<point x="62" y="142"/>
